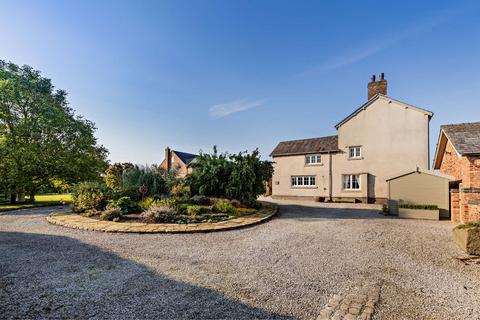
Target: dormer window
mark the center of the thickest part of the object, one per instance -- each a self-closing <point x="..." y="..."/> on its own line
<point x="355" y="152"/>
<point x="313" y="159"/>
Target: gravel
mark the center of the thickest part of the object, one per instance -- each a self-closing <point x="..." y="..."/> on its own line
<point x="286" y="268"/>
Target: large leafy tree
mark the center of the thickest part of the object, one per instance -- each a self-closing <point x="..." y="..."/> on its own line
<point x="41" y="138"/>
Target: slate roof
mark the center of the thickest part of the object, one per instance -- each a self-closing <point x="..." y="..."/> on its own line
<point x="465" y="137"/>
<point x="306" y="146"/>
<point x="185" y="157"/>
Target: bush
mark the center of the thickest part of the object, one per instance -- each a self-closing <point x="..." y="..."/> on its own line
<point x="89" y="196"/>
<point x="240" y="176"/>
<point x="126" y="205"/>
<point x="201" y="200"/>
<point x="159" y="214"/>
<point x="111" y="214"/>
<point x="225" y="207"/>
<point x="469" y="225"/>
<point x="146" y="203"/>
<point x="197" y="210"/>
<point x="418" y="206"/>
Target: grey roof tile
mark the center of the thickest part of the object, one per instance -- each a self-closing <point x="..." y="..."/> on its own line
<point x="465" y="137"/>
<point x="305" y="146"/>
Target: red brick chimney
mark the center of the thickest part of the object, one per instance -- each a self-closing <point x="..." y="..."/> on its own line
<point x="168" y="155"/>
<point x="377" y="86"/>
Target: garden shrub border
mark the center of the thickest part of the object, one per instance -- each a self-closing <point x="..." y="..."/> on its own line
<point x="75" y="221"/>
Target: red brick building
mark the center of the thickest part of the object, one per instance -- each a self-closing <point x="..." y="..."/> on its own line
<point x="178" y="160"/>
<point x="458" y="155"/>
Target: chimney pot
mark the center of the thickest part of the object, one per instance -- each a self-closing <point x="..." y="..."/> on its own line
<point x="375" y="87"/>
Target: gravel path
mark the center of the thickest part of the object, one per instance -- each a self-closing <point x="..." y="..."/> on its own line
<point x="287" y="268"/>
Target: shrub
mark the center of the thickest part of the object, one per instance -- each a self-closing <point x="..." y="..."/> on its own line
<point x="385" y="209"/>
<point x="146" y="203"/>
<point x="193" y="210"/>
<point x="126" y="205"/>
<point x="111" y="214"/>
<point x="224" y="207"/>
<point x="180" y="190"/>
<point x="418" y="206"/>
<point x="201" y="200"/>
<point x="469" y="225"/>
<point x="89" y="196"/>
<point x="159" y="214"/>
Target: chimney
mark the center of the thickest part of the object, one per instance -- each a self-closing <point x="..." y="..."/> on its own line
<point x="377" y="86"/>
<point x="168" y="158"/>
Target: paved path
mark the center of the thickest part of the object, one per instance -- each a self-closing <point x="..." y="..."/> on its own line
<point x="307" y="262"/>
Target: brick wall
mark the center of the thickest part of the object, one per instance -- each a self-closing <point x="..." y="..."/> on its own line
<point x="455" y="205"/>
<point x="464" y="203"/>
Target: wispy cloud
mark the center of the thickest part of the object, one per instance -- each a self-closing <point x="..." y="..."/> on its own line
<point x="377" y="45"/>
<point x="225" y="109"/>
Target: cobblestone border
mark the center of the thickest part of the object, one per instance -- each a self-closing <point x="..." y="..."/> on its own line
<point x="76" y="221"/>
<point x="358" y="304"/>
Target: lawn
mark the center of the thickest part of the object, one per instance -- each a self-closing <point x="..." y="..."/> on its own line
<point x="40" y="200"/>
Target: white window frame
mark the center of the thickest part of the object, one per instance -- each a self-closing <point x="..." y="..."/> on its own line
<point x="303" y="181"/>
<point x="313" y="159"/>
<point x="357" y="152"/>
<point x="348" y="185"/>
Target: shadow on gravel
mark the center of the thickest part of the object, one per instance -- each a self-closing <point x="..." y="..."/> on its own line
<point x="305" y="212"/>
<point x="45" y="210"/>
<point x="44" y="276"/>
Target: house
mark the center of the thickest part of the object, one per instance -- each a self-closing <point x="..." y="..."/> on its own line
<point x="179" y="161"/>
<point x="458" y="155"/>
<point x="382" y="138"/>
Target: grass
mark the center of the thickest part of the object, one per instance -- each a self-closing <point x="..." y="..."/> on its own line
<point x="40" y="201"/>
<point x="469" y="225"/>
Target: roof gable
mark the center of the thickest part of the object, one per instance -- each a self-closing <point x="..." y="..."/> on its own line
<point x="306" y="146"/>
<point x="375" y="98"/>
<point x="185" y="157"/>
<point x="465" y="137"/>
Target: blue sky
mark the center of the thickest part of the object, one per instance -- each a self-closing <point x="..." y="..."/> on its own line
<point x="243" y="74"/>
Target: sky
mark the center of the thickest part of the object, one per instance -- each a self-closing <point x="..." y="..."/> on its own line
<point x="243" y="74"/>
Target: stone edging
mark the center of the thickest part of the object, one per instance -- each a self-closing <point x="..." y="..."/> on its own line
<point x="76" y="221"/>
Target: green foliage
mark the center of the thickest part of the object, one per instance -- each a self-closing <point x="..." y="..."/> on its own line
<point x="418" y="206"/>
<point x="241" y="176"/>
<point x="156" y="179"/>
<point x="211" y="174"/>
<point x="114" y="175"/>
<point x="193" y="210"/>
<point x="225" y="207"/>
<point x="469" y="225"/>
<point x="146" y="203"/>
<point x="385" y="209"/>
<point x="41" y="138"/>
<point x="89" y="196"/>
<point x="248" y="177"/>
<point x="126" y="205"/>
<point x="111" y="214"/>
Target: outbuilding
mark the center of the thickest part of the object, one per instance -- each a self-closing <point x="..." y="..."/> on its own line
<point x="419" y="188"/>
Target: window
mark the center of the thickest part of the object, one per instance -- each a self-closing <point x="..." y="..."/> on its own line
<point x="354" y="152"/>
<point x="313" y="159"/>
<point x="303" y="181"/>
<point x="351" y="182"/>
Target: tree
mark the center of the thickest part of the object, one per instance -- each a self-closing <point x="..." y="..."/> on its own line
<point x="114" y="175"/>
<point x="41" y="138"/>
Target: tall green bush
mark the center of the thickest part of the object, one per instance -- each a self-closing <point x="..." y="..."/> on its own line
<point x="240" y="176"/>
<point x="89" y="196"/>
<point x="156" y="179"/>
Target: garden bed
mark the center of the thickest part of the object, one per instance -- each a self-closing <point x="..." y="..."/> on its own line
<point x="132" y="225"/>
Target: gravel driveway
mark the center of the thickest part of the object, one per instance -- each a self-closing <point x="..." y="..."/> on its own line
<point x="288" y="267"/>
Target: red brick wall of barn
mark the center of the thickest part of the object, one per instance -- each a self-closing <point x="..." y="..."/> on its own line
<point x="465" y="169"/>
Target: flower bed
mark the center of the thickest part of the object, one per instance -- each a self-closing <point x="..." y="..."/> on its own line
<point x="198" y="209"/>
